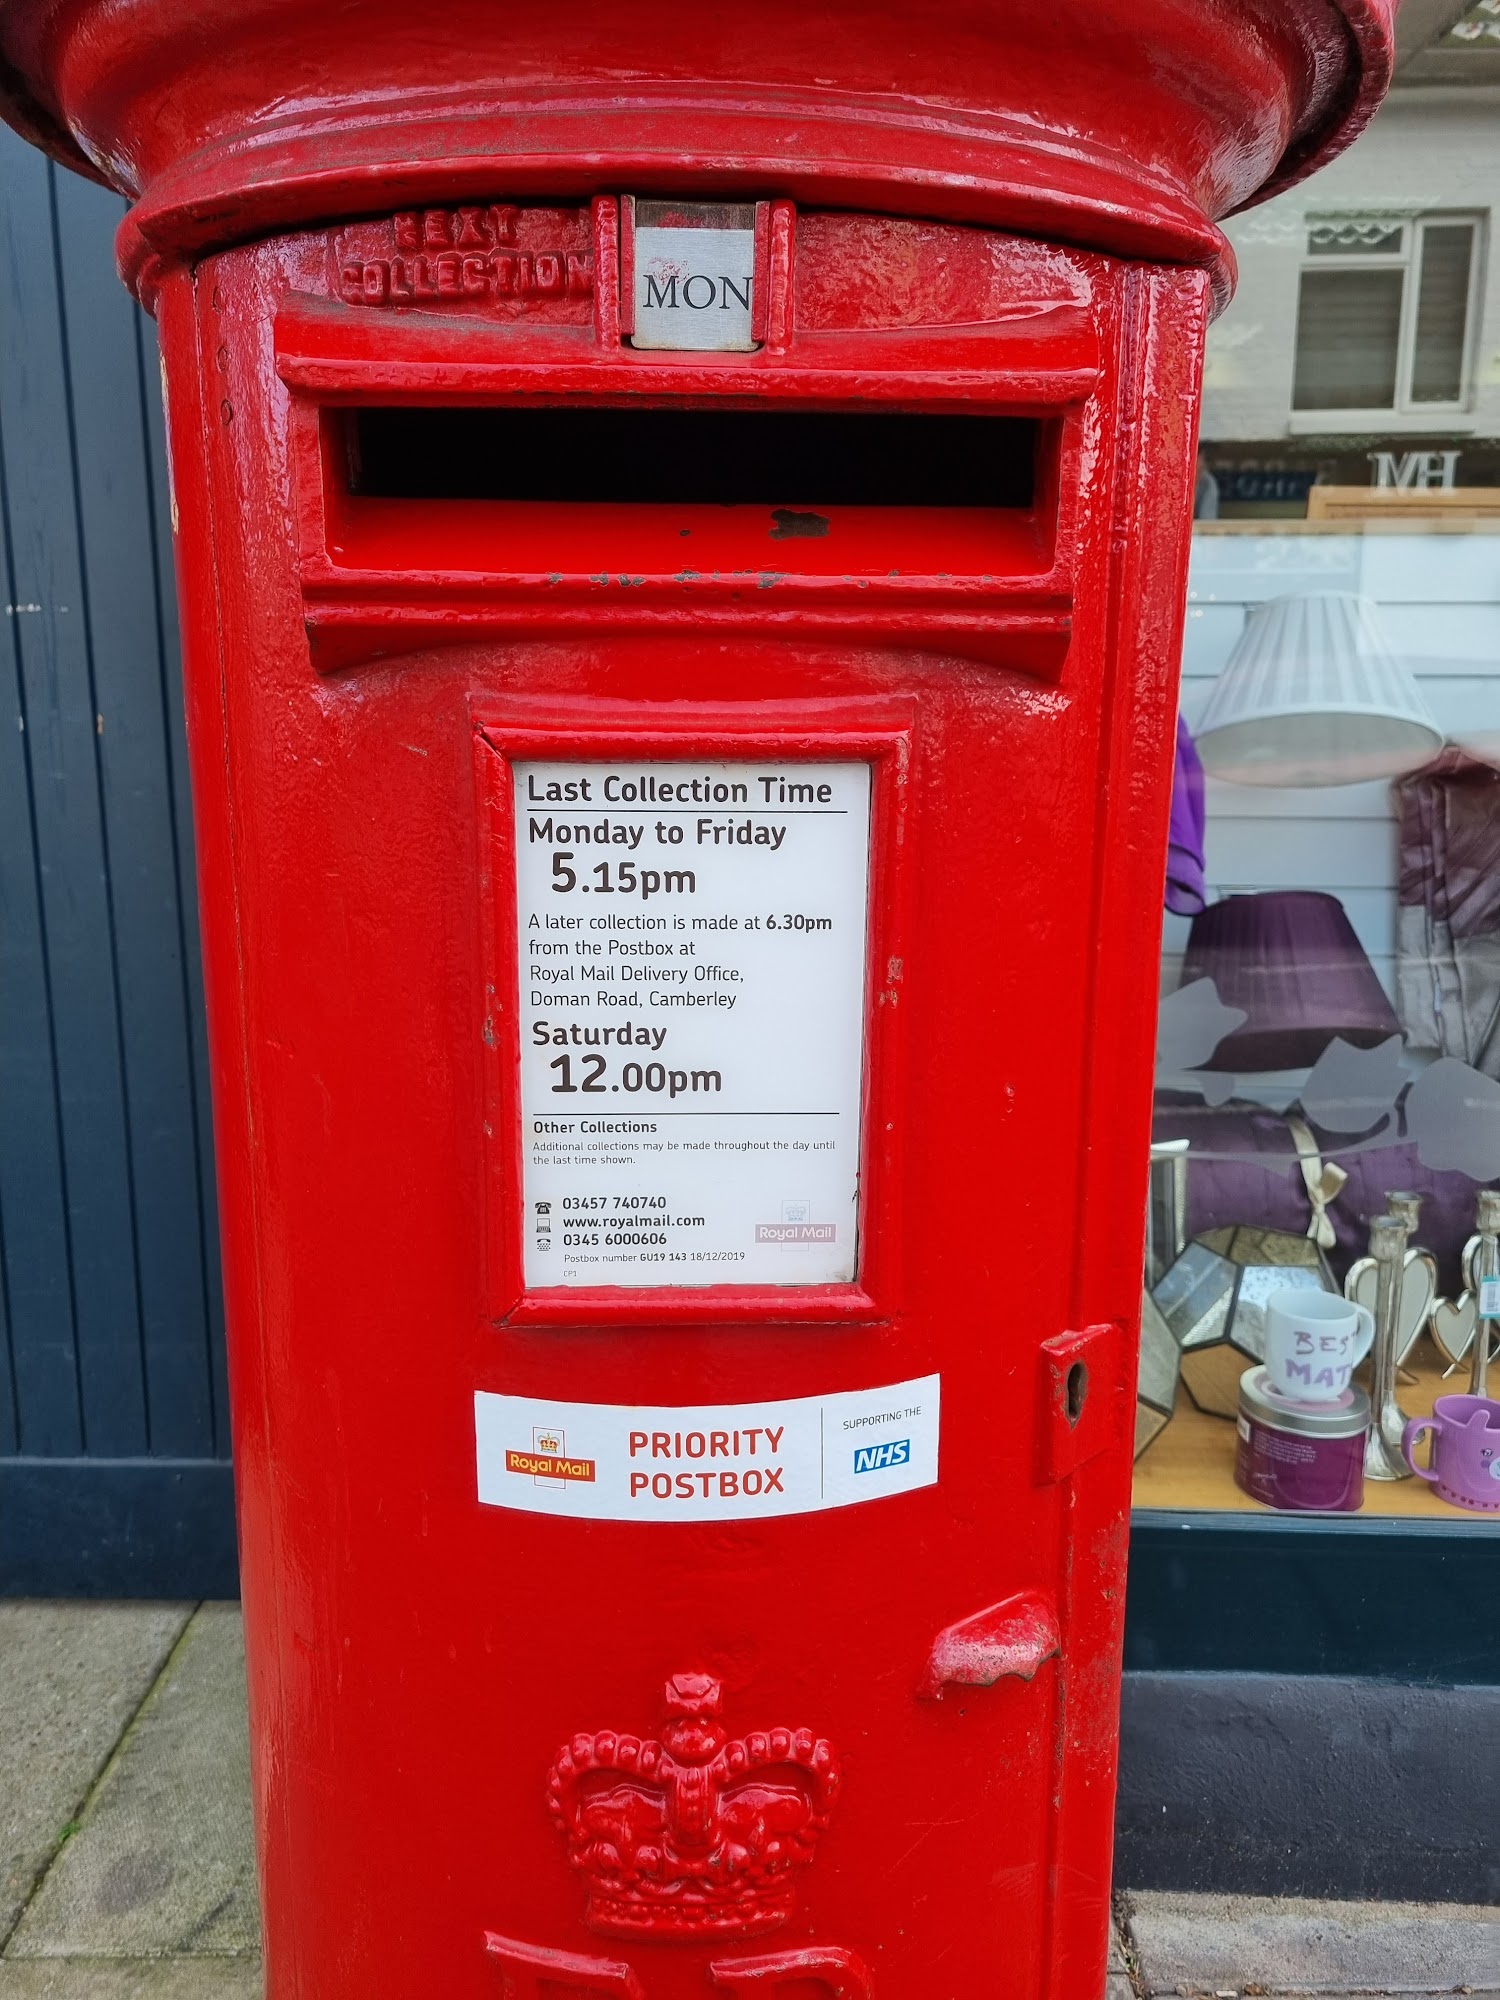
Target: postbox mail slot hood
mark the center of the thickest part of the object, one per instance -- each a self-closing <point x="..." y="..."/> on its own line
<point x="1047" y="358"/>
<point x="974" y="562"/>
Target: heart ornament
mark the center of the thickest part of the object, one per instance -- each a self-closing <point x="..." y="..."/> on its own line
<point x="1418" y="1291"/>
<point x="1453" y="1324"/>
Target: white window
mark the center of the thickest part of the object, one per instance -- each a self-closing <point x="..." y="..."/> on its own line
<point x="1385" y="316"/>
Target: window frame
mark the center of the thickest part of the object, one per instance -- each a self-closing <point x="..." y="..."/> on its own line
<point x="1408" y="414"/>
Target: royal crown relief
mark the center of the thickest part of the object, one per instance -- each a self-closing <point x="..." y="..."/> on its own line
<point x="697" y="1834"/>
<point x="692" y="1837"/>
<point x="495" y="255"/>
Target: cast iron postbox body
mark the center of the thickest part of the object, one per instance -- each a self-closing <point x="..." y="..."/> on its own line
<point x="681" y="659"/>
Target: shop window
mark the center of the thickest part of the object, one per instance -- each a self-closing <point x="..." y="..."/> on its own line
<point x="1384" y="313"/>
<point x="1322" y="1284"/>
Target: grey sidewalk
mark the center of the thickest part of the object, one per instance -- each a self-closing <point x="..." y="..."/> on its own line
<point x="126" y="1866"/>
<point x="126" y="1869"/>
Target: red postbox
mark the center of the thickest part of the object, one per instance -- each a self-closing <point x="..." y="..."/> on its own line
<point x="682" y="520"/>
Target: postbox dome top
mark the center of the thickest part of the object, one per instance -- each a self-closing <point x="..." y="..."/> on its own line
<point x="1127" y="125"/>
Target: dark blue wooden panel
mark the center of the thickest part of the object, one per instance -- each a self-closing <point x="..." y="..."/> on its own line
<point x="63" y="788"/>
<point x="103" y="360"/>
<point x="66" y="810"/>
<point x="111" y="1338"/>
<point x="87" y="1527"/>
<point x="39" y="1381"/>
<point x="9" y="1430"/>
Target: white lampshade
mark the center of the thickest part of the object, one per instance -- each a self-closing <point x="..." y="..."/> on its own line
<point x="1313" y="695"/>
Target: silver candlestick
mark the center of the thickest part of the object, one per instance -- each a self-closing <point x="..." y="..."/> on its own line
<point x="1486" y="1265"/>
<point x="1383" y="1456"/>
<point x="1407" y="1209"/>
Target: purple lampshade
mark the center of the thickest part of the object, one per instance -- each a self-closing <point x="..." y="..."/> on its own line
<point x="1290" y="959"/>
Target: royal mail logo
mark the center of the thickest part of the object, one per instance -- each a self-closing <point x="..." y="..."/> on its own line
<point x="796" y="1232"/>
<point x="549" y="1465"/>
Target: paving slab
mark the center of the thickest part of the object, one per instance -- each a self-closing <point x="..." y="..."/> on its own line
<point x="220" y="1978"/>
<point x="163" y="1861"/>
<point x="71" y="1677"/>
<point x="1201" y="1944"/>
<point x="189" y="1979"/>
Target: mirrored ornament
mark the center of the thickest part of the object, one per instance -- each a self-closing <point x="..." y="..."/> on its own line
<point x="1194" y="1296"/>
<point x="1214" y="1300"/>
<point x="1156" y="1382"/>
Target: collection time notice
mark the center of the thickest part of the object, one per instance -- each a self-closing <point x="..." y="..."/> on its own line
<point x="691" y="981"/>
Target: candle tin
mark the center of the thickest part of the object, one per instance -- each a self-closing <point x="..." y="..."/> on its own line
<point x="1304" y="1458"/>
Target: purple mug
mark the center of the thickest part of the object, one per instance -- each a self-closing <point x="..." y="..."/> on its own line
<point x="1465" y="1469"/>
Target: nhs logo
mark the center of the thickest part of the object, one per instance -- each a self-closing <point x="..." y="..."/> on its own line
<point x="881" y="1457"/>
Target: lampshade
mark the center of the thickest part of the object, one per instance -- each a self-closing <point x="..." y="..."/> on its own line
<point x="1290" y="961"/>
<point x="1312" y="695"/>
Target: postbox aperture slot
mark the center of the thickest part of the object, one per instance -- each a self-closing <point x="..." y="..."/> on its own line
<point x="939" y="516"/>
<point x="691" y="499"/>
<point x="695" y="457"/>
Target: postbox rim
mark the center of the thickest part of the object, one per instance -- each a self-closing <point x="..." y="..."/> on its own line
<point x="256" y="164"/>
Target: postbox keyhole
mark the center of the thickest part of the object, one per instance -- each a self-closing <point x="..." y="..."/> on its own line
<point x="1075" y="1390"/>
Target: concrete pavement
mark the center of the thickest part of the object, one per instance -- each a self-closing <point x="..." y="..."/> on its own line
<point x="1239" y="1945"/>
<point x="127" y="1872"/>
<point x="126" y="1863"/>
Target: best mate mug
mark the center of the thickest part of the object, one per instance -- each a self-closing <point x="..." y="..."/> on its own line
<point x="1314" y="1343"/>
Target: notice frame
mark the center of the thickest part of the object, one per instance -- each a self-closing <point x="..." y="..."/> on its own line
<point x="535" y="730"/>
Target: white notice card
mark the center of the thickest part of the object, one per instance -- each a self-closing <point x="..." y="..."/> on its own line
<point x="692" y="942"/>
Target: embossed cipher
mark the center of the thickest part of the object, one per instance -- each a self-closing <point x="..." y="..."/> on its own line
<point x="485" y="254"/>
<point x="698" y="1834"/>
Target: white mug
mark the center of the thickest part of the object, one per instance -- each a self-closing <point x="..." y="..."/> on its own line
<point x="1314" y="1343"/>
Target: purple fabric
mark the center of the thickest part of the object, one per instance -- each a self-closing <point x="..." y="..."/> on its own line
<point x="1261" y="1183"/>
<point x="1186" y="893"/>
<point x="1290" y="959"/>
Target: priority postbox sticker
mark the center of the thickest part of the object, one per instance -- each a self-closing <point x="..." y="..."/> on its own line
<point x="708" y="1462"/>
